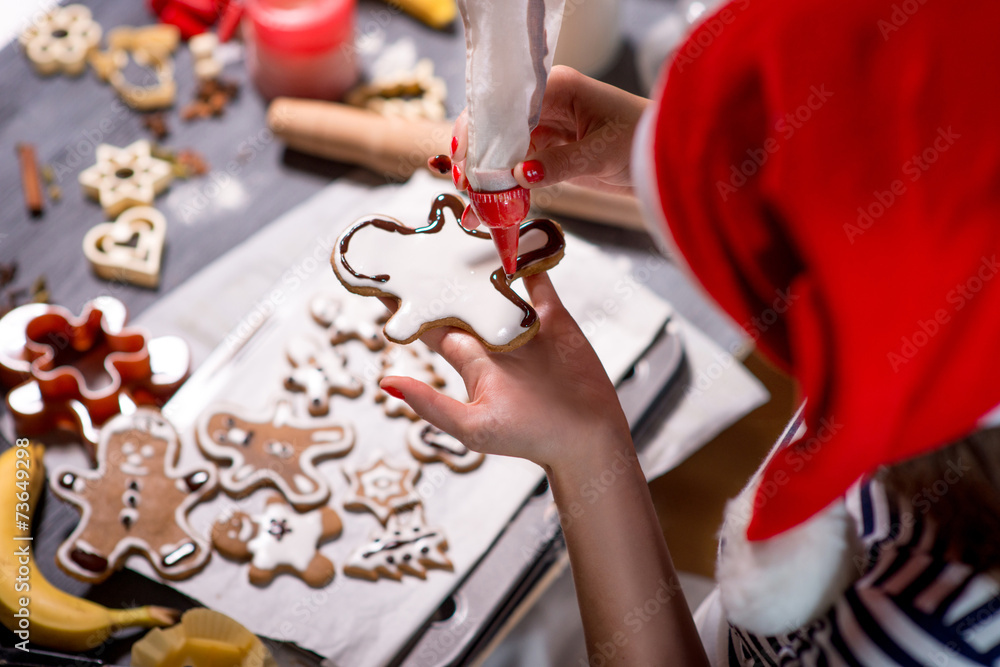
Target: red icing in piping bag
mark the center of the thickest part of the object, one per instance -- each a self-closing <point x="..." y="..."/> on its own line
<point x="503" y="212"/>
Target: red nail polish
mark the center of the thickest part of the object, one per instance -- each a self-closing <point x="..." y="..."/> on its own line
<point x="456" y="174"/>
<point x="395" y="393"/>
<point x="533" y="171"/>
<point x="454" y="145"/>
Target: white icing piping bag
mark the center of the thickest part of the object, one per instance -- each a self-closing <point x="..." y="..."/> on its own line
<point x="509" y="46"/>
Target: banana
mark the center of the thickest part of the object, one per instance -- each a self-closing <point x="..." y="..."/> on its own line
<point x="30" y="606"/>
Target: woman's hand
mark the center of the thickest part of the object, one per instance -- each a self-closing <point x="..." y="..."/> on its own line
<point x="584" y="136"/>
<point x="549" y="401"/>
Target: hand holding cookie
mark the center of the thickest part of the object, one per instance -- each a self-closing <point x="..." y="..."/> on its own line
<point x="545" y="401"/>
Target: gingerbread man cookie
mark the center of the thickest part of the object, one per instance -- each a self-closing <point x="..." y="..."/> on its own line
<point x="443" y="274"/>
<point x="381" y="487"/>
<point x="413" y="361"/>
<point x="319" y="372"/>
<point x="136" y="501"/>
<point x="346" y="318"/>
<point x="405" y="546"/>
<point x="428" y="444"/>
<point x="280" y="451"/>
<point x="279" y="540"/>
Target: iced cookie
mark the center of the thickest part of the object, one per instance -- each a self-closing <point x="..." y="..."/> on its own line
<point x="319" y="371"/>
<point x="443" y="274"/>
<point x="381" y="487"/>
<point x="279" y="451"/>
<point x="413" y="361"/>
<point x="346" y="318"/>
<point x="279" y="540"/>
<point x="405" y="546"/>
<point x="429" y="444"/>
<point x="136" y="501"/>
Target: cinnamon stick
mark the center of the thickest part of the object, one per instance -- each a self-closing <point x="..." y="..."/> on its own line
<point x="30" y="180"/>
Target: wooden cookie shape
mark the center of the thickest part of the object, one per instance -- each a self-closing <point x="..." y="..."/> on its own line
<point x="411" y="94"/>
<point x="136" y="501"/>
<point x="428" y="444"/>
<point x="149" y="46"/>
<point x="110" y="250"/>
<point x="60" y="41"/>
<point x="415" y="361"/>
<point x="443" y="274"/>
<point x="405" y="546"/>
<point x="278" y="540"/>
<point x="74" y="373"/>
<point x="347" y="318"/>
<point x="381" y="487"/>
<point x="319" y="371"/>
<point x="280" y="451"/>
<point x="124" y="177"/>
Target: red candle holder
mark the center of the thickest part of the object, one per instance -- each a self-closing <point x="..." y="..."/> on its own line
<point x="301" y="48"/>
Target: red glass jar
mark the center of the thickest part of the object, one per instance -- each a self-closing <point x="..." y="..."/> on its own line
<point x="301" y="48"/>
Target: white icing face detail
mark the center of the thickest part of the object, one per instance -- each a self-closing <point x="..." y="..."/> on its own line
<point x="128" y="447"/>
<point x="437" y="275"/>
<point x="281" y="450"/>
<point x="148" y="451"/>
<point x="405" y="546"/>
<point x="285" y="537"/>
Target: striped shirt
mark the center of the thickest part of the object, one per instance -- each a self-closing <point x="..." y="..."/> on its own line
<point x="911" y="607"/>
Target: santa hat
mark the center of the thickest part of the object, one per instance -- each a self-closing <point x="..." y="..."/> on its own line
<point x="831" y="174"/>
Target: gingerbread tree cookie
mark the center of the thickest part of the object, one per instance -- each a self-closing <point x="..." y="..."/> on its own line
<point x="136" y="501"/>
<point x="443" y="274"/>
<point x="279" y="540"/>
<point x="279" y="451"/>
<point x="405" y="546"/>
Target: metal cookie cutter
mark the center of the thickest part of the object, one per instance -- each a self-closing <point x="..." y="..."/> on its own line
<point x="75" y="373"/>
<point x="61" y="40"/>
<point x="109" y="248"/>
<point x="124" y="177"/>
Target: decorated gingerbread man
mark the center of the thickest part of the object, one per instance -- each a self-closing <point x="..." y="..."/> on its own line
<point x="137" y="500"/>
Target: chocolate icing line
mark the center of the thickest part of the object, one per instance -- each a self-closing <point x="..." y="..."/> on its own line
<point x="554" y="243"/>
<point x="392" y="545"/>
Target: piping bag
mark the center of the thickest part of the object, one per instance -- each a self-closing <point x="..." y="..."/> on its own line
<point x="509" y="46"/>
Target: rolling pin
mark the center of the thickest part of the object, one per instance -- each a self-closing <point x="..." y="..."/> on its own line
<point x="397" y="147"/>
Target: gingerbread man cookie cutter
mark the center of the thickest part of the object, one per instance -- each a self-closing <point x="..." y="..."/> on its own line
<point x="61" y="40"/>
<point x="125" y="177"/>
<point x="281" y="450"/>
<point x="136" y="500"/>
<point x="75" y="373"/>
<point x="110" y="250"/>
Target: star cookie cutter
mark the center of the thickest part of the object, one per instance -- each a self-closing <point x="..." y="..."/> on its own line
<point x="61" y="41"/>
<point x="150" y="46"/>
<point x="74" y="373"/>
<point x="109" y="248"/>
<point x="125" y="177"/>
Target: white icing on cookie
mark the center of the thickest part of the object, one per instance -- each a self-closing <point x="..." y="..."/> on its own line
<point x="319" y="371"/>
<point x="346" y="317"/>
<point x="442" y="272"/>
<point x="382" y="487"/>
<point x="285" y="537"/>
<point x="405" y="546"/>
<point x="428" y="443"/>
<point x="416" y="361"/>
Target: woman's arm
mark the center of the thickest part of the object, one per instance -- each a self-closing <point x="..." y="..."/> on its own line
<point x="550" y="401"/>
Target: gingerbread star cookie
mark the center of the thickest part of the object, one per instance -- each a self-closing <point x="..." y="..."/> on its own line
<point x="405" y="546"/>
<point x="319" y="371"/>
<point x="346" y="318"/>
<point x="382" y="487"/>
<point x="280" y="450"/>
<point x="428" y="444"/>
<point x="136" y="501"/>
<point x="413" y="361"/>
<point x="124" y="177"/>
<point x="443" y="274"/>
<point x="279" y="540"/>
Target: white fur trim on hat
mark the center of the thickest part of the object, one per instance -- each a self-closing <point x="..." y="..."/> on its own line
<point x="774" y="586"/>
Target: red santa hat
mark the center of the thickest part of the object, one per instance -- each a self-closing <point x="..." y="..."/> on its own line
<point x="830" y="170"/>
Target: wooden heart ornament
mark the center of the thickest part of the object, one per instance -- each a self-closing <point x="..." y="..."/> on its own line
<point x="130" y="248"/>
